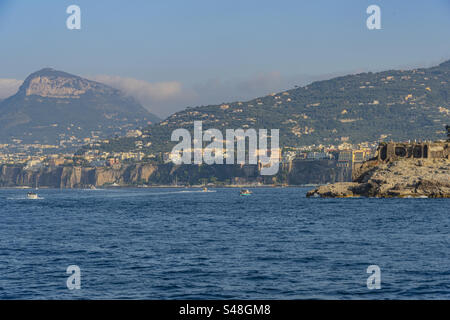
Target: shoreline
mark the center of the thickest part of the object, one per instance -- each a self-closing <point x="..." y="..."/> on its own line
<point x="166" y="187"/>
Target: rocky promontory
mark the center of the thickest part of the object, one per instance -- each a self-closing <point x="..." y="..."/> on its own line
<point x="403" y="178"/>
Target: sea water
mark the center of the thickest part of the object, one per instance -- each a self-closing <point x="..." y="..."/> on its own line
<point x="160" y="243"/>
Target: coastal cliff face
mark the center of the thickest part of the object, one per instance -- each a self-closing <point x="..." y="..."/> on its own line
<point x="296" y="173"/>
<point x="402" y="178"/>
<point x="75" y="177"/>
<point x="317" y="172"/>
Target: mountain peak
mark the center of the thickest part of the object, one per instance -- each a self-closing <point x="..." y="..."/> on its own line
<point x="53" y="106"/>
<point x="48" y="69"/>
<point x="51" y="72"/>
<point x="51" y="83"/>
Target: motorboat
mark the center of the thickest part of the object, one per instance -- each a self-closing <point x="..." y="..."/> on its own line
<point x="32" y="195"/>
<point x="245" y="192"/>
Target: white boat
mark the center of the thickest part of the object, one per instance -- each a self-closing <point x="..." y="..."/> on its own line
<point x="32" y="195"/>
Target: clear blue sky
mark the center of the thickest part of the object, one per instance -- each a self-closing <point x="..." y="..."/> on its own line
<point x="220" y="50"/>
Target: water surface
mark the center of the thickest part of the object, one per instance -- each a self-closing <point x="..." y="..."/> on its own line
<point x="186" y="244"/>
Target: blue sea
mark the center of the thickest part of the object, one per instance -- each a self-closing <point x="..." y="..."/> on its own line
<point x="160" y="243"/>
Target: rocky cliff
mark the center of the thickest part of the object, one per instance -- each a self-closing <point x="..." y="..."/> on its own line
<point x="296" y="173"/>
<point x="402" y="178"/>
<point x="316" y="172"/>
<point x="74" y="177"/>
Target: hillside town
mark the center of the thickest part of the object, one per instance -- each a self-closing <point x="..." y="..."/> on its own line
<point x="35" y="156"/>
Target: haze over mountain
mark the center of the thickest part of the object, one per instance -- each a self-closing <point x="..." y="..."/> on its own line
<point x="53" y="106"/>
<point x="394" y="104"/>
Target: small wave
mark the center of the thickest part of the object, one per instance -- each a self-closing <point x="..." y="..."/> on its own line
<point x="200" y="191"/>
<point x="24" y="198"/>
<point x="141" y="194"/>
<point x="178" y="192"/>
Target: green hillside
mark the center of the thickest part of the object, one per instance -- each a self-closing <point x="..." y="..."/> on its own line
<point x="394" y="104"/>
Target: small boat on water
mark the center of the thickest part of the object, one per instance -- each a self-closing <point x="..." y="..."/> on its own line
<point x="245" y="192"/>
<point x="32" y="195"/>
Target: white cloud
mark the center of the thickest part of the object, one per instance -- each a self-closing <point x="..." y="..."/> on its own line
<point x="141" y="89"/>
<point x="161" y="98"/>
<point x="8" y="87"/>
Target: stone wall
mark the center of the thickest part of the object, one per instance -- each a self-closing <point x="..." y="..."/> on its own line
<point x="393" y="151"/>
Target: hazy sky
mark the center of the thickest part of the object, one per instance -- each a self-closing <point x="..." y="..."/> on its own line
<point x="171" y="54"/>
